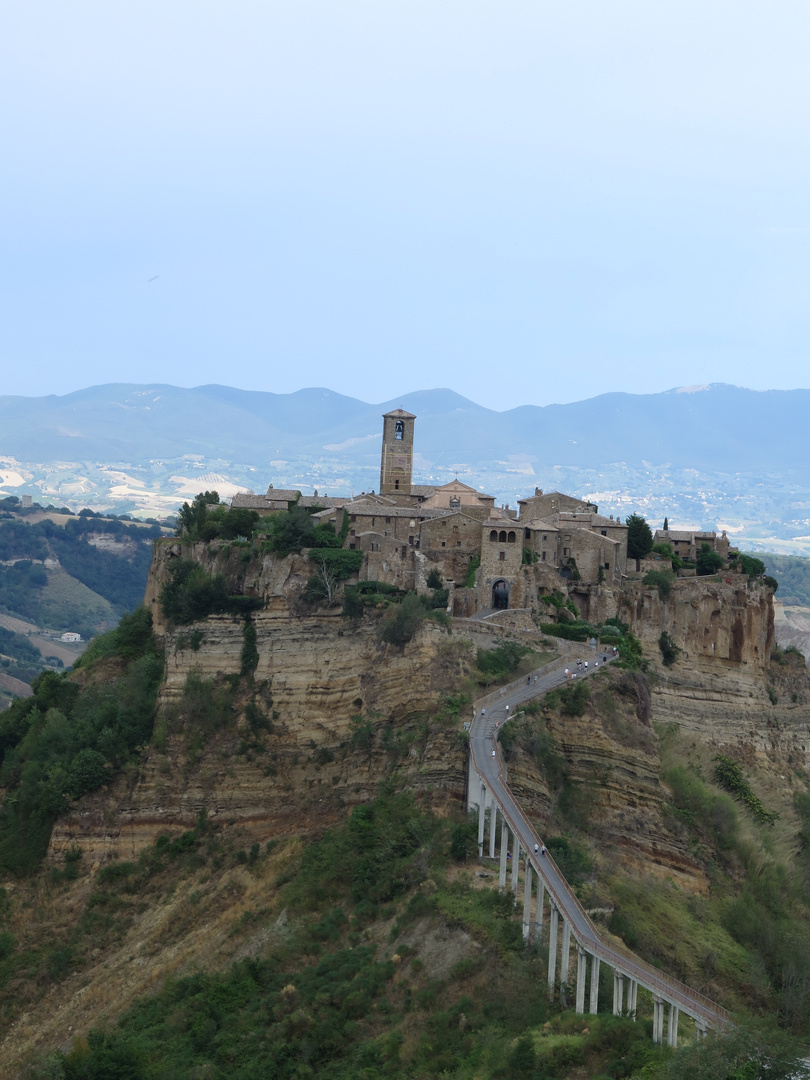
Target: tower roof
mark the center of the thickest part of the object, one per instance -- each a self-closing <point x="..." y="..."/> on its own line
<point x="400" y="414"/>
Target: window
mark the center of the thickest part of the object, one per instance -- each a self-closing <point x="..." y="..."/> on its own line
<point x="444" y="523"/>
<point x="455" y="528"/>
<point x="410" y="540"/>
<point x="543" y="557"/>
<point x="566" y="552"/>
<point x="545" y="537"/>
<point x="501" y="556"/>
<point x="604" y="532"/>
<point x="493" y="537"/>
<point x="511" y="538"/>
<point x="527" y="534"/>
<point x="404" y="552"/>
<point x="388" y="521"/>
<point x="396" y="485"/>
<point x="443" y="544"/>
<point x="458" y="543"/>
<point x="373" y="521"/>
<point x="399" y="430"/>
<point x="351" y="533"/>
<point x="353" y="517"/>
<point x="607" y="565"/>
<point x="502" y="537"/>
<point x="351" y="547"/>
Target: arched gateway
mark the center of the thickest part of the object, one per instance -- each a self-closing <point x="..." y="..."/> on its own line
<point x="500" y="595"/>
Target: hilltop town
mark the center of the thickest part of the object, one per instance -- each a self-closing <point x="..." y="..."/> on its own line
<point x="489" y="557"/>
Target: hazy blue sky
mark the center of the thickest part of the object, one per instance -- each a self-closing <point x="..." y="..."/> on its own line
<point x="528" y="202"/>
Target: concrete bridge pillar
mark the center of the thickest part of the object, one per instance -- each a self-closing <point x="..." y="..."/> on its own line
<point x="482" y="812"/>
<point x="515" y="862"/>
<point x="618" y="992"/>
<point x="538" y="916"/>
<point x="632" y="998"/>
<point x="594" y="1002"/>
<point x="701" y="1031"/>
<point x="582" y="966"/>
<point x="672" y="1033"/>
<point x="553" y="921"/>
<point x="565" y="959"/>
<point x="658" y="1019"/>
<point x="527" y="901"/>
<point x="504" y="853"/>
<point x="493" y="818"/>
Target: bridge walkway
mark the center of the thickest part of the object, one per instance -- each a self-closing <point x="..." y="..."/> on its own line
<point x="488" y="774"/>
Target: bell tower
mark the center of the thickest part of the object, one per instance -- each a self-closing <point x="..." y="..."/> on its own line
<point x="396" y="463"/>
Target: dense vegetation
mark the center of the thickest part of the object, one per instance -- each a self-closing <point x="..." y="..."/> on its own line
<point x="793" y="575"/>
<point x="191" y="593"/>
<point x="333" y="997"/>
<point x="67" y="738"/>
<point x="120" y="579"/>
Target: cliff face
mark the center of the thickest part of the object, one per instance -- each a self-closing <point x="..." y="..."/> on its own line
<point x="727" y="621"/>
<point x="723" y="687"/>
<point x="332" y="711"/>
<point x="306" y="759"/>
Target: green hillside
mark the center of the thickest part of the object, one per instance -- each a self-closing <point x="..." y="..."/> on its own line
<point x="793" y="575"/>
<point x="76" y="573"/>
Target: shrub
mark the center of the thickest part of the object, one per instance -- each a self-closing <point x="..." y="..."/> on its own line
<point x="630" y="652"/>
<point x="499" y="662"/>
<point x="729" y="775"/>
<point x="434" y="579"/>
<point x="463" y="841"/>
<point x="708" y="561"/>
<point x="353" y="606"/>
<point x="750" y="565"/>
<point x="250" y="654"/>
<point x="669" y="650"/>
<point x="402" y="626"/>
<point x="661" y="580"/>
<point x="469" y="577"/>
<point x="191" y="594"/>
<point x="570" y="631"/>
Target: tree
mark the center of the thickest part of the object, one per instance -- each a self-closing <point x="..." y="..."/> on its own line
<point x="666" y="524"/>
<point x="434" y="579"/>
<point x="290" y="530"/>
<point x="708" y="561"/>
<point x="408" y="618"/>
<point x="191" y="519"/>
<point x="754" y="1049"/>
<point x="324" y="583"/>
<point x="639" y="537"/>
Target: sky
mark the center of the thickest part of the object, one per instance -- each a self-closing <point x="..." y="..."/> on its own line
<point x="526" y="202"/>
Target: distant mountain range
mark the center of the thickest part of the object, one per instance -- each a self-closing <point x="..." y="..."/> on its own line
<point x="725" y="428"/>
<point x="710" y="455"/>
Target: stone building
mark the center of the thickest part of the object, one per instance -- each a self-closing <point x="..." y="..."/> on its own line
<point x="687" y="544"/>
<point x="408" y="529"/>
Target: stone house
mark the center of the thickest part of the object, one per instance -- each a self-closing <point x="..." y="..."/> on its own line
<point x="687" y="543"/>
<point x="545" y="504"/>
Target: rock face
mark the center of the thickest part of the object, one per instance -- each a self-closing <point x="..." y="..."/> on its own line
<point x="729" y="620"/>
<point x="611" y="756"/>
<point x="338" y="710"/>
<point x="331" y="711"/>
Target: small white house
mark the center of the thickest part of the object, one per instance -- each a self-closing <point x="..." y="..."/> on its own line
<point x="70" y="637"/>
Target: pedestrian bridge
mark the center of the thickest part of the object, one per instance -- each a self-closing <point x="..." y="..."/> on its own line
<point x="547" y="897"/>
